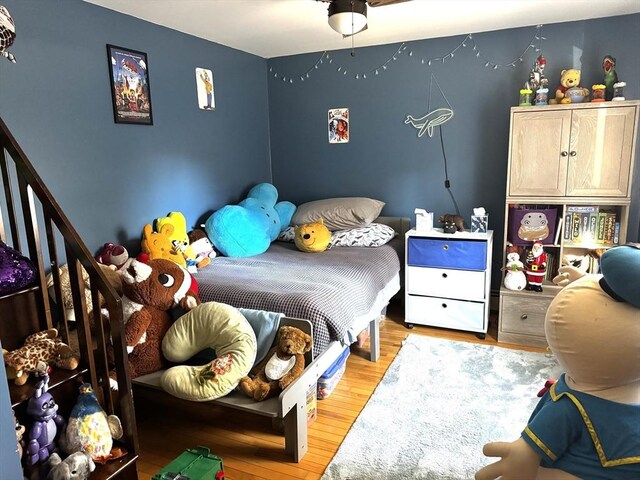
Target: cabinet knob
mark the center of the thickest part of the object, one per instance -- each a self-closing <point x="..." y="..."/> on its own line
<point x="523" y="316"/>
<point x="444" y="305"/>
<point x="445" y="247"/>
<point x="573" y="153"/>
<point x="564" y="153"/>
<point x="444" y="275"/>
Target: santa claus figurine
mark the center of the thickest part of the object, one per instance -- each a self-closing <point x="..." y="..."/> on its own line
<point x="535" y="267"/>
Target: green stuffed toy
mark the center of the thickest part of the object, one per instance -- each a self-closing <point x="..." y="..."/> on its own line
<point x="312" y="237"/>
<point x="248" y="228"/>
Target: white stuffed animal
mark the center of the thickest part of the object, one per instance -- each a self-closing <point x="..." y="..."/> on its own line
<point x="515" y="279"/>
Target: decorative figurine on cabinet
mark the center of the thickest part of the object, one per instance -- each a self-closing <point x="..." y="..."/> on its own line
<point x="618" y="91"/>
<point x="598" y="92"/>
<point x="451" y="223"/>
<point x="525" y="97"/>
<point x="537" y="80"/>
<point x="535" y="267"/>
<point x="610" y="76"/>
<point x="542" y="95"/>
<point x="515" y="278"/>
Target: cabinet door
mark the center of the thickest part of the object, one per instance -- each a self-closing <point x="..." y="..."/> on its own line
<point x="538" y="164"/>
<point x="600" y="152"/>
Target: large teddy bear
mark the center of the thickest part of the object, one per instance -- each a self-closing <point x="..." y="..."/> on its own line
<point x="249" y="227"/>
<point x="283" y="364"/>
<point x="150" y="290"/>
<point x="586" y="426"/>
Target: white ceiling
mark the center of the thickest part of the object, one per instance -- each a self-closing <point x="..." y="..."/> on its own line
<point x="274" y="28"/>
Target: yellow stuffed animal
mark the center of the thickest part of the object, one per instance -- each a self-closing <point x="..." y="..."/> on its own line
<point x="312" y="237"/>
<point x="159" y="245"/>
<point x="179" y="237"/>
<point x="569" y="80"/>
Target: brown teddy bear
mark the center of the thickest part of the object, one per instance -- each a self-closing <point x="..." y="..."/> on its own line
<point x="150" y="290"/>
<point x="283" y="364"/>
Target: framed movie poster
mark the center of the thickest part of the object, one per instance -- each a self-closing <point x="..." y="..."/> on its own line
<point x="204" y="87"/>
<point x="339" y="125"/>
<point x="130" y="91"/>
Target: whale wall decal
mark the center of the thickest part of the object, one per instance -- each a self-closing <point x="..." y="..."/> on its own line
<point x="427" y="122"/>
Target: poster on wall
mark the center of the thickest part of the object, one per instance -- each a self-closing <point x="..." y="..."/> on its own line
<point x="130" y="92"/>
<point x="204" y="88"/>
<point x="339" y="125"/>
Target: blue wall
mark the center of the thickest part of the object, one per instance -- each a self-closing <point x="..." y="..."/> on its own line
<point x="110" y="179"/>
<point x="385" y="159"/>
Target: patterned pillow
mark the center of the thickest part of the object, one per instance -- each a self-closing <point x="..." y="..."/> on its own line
<point x="287" y="235"/>
<point x="373" y="235"/>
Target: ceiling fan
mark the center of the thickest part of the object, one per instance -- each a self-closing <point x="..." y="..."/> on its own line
<point x="349" y="17"/>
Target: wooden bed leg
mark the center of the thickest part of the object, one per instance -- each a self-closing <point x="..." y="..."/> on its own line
<point x="374" y="339"/>
<point x="295" y="430"/>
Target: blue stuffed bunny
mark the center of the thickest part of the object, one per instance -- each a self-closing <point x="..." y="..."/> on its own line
<point x="249" y="228"/>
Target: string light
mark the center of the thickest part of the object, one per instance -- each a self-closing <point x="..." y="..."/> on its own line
<point x="467" y="41"/>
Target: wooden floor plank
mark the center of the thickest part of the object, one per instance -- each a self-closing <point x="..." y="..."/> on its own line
<point x="249" y="447"/>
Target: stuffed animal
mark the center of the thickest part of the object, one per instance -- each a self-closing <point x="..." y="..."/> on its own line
<point x="283" y="364"/>
<point x="179" y="237"/>
<point x="114" y="255"/>
<point x="113" y="277"/>
<point x="514" y="278"/>
<point x="569" y="80"/>
<point x="249" y="228"/>
<point x="452" y="223"/>
<point x="43" y="409"/>
<point x="16" y="270"/>
<point x="150" y="290"/>
<point x="586" y="425"/>
<point x="202" y="248"/>
<point x="610" y="76"/>
<point x="41" y="348"/>
<point x="89" y="429"/>
<point x="312" y="237"/>
<point x="159" y="244"/>
<point x="77" y="466"/>
<point x="19" y="434"/>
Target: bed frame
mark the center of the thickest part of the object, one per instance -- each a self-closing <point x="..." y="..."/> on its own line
<point x="289" y="408"/>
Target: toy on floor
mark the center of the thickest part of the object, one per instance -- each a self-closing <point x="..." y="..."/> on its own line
<point x="7" y="34"/>
<point x="89" y="429"/>
<point x="41" y="348"/>
<point x="249" y="227"/>
<point x="43" y="409"/>
<point x="283" y="364"/>
<point x="77" y="466"/>
<point x="150" y="290"/>
<point x="312" y="237"/>
<point x="586" y="426"/>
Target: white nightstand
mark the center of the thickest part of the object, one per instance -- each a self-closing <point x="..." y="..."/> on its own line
<point x="448" y="279"/>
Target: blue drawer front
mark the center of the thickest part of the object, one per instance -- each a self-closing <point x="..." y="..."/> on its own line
<point x="447" y="253"/>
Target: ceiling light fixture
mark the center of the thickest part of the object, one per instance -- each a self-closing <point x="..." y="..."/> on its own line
<point x="348" y="17"/>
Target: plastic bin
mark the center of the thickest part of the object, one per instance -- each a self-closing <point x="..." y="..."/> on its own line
<point x="330" y="378"/>
<point x="193" y="464"/>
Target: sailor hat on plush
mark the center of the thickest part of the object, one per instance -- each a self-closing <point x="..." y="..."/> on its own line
<point x="621" y="273"/>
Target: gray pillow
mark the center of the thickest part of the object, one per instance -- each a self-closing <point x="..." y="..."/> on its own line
<point x="339" y="213"/>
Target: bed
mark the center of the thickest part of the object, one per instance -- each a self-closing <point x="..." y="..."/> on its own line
<point x="333" y="296"/>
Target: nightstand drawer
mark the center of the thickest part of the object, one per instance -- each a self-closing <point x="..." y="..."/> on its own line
<point x="438" y="282"/>
<point x="447" y="253"/>
<point x="522" y="315"/>
<point x="441" y="312"/>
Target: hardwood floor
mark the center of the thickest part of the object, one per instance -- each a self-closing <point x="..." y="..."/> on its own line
<point x="247" y="444"/>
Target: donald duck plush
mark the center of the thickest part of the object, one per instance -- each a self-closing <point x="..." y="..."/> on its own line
<point x="587" y="425"/>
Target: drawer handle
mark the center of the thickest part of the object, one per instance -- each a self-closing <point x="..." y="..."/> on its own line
<point x="523" y="316"/>
<point x="445" y="247"/>
<point x="444" y="275"/>
<point x="444" y="305"/>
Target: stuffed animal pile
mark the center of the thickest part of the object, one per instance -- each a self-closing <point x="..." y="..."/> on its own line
<point x="586" y="425"/>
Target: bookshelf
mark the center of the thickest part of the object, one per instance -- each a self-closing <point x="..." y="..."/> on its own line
<point x="570" y="168"/>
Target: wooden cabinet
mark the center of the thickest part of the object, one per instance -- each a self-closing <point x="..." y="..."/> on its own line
<point x="447" y="279"/>
<point x="577" y="151"/>
<point x="574" y="162"/>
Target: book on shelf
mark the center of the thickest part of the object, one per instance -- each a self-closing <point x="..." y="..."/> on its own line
<point x="590" y="225"/>
<point x="602" y="220"/>
<point x="609" y="228"/>
<point x="616" y="233"/>
<point x="567" y="226"/>
<point x="558" y="230"/>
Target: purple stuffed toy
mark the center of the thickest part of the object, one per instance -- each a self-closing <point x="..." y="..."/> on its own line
<point x="46" y="422"/>
<point x="16" y="271"/>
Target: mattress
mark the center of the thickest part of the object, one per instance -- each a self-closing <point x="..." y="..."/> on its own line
<point x="331" y="289"/>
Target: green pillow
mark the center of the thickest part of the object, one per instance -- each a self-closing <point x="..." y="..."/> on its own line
<point x="209" y="325"/>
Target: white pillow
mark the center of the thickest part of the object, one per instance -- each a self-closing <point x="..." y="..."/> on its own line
<point x="373" y="235"/>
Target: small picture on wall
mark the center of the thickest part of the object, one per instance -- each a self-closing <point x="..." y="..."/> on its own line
<point x="130" y="91"/>
<point x="204" y="86"/>
<point x="339" y="125"/>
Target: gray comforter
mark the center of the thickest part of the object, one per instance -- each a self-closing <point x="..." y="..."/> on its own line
<point x="330" y="289"/>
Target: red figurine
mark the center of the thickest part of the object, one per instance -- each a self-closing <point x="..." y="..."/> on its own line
<point x="535" y="267"/>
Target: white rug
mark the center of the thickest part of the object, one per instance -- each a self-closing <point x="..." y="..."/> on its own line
<point x="439" y="402"/>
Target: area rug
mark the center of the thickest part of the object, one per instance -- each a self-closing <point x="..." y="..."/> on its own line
<point x="438" y="403"/>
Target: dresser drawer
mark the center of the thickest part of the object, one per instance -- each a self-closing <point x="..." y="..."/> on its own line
<point x="439" y="282"/>
<point x="523" y="315"/>
<point x="447" y="253"/>
<point x="447" y="313"/>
